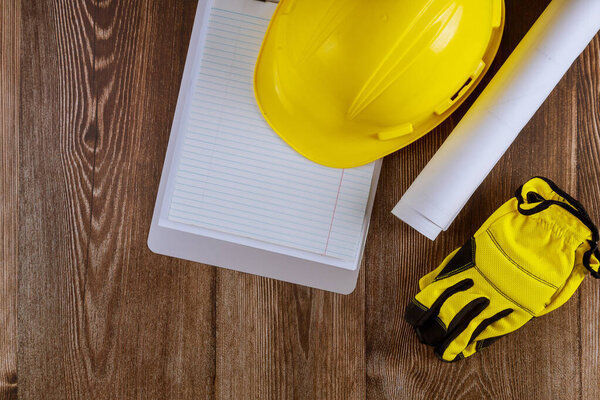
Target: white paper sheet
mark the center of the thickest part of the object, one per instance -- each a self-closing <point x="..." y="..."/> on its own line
<point x="234" y="175"/>
<point x="484" y="134"/>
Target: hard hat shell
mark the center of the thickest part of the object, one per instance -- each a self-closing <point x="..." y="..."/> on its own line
<point x="345" y="82"/>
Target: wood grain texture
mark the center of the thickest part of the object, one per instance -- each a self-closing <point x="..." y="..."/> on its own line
<point x="280" y="341"/>
<point x="100" y="316"/>
<point x="10" y="19"/>
<point x="88" y="92"/>
<point x="588" y="179"/>
<point x="57" y="153"/>
<point x="150" y="317"/>
<point x="58" y="132"/>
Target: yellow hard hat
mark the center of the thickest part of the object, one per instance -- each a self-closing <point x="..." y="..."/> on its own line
<point x="345" y="82"/>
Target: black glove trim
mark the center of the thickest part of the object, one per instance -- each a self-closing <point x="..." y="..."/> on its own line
<point x="430" y="331"/>
<point x="576" y="209"/>
<point x="594" y="250"/>
<point x="487" y="322"/>
<point x="462" y="261"/>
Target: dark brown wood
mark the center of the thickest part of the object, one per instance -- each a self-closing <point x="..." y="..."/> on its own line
<point x="57" y="155"/>
<point x="168" y="304"/>
<point x="280" y="341"/>
<point x="588" y="180"/>
<point x="100" y="317"/>
<point x="87" y="94"/>
<point x="10" y="20"/>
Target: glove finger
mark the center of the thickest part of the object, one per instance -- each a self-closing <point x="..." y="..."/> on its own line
<point x="425" y="318"/>
<point x="503" y="326"/>
<point x="499" y="328"/>
<point x="458" y="314"/>
<point x="477" y="346"/>
<point x="453" y="347"/>
<point x="460" y="308"/>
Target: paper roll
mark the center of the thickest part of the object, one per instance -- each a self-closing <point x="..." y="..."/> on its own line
<point x="491" y="125"/>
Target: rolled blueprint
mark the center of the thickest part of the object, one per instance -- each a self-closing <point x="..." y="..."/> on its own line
<point x="491" y="125"/>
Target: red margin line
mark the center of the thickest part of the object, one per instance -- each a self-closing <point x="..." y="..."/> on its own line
<point x="334" y="208"/>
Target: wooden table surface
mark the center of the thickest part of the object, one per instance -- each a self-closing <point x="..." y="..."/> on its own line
<point x="87" y="95"/>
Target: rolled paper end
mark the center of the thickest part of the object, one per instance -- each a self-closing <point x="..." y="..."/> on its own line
<point x="418" y="221"/>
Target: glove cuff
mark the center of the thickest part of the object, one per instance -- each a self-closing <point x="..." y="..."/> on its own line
<point x="539" y="193"/>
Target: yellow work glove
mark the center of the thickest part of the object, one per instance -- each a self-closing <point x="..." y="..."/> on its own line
<point x="526" y="260"/>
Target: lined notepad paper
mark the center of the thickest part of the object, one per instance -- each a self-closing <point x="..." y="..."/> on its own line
<point x="236" y="176"/>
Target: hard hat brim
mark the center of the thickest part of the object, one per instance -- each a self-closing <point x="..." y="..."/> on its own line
<point x="335" y="142"/>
